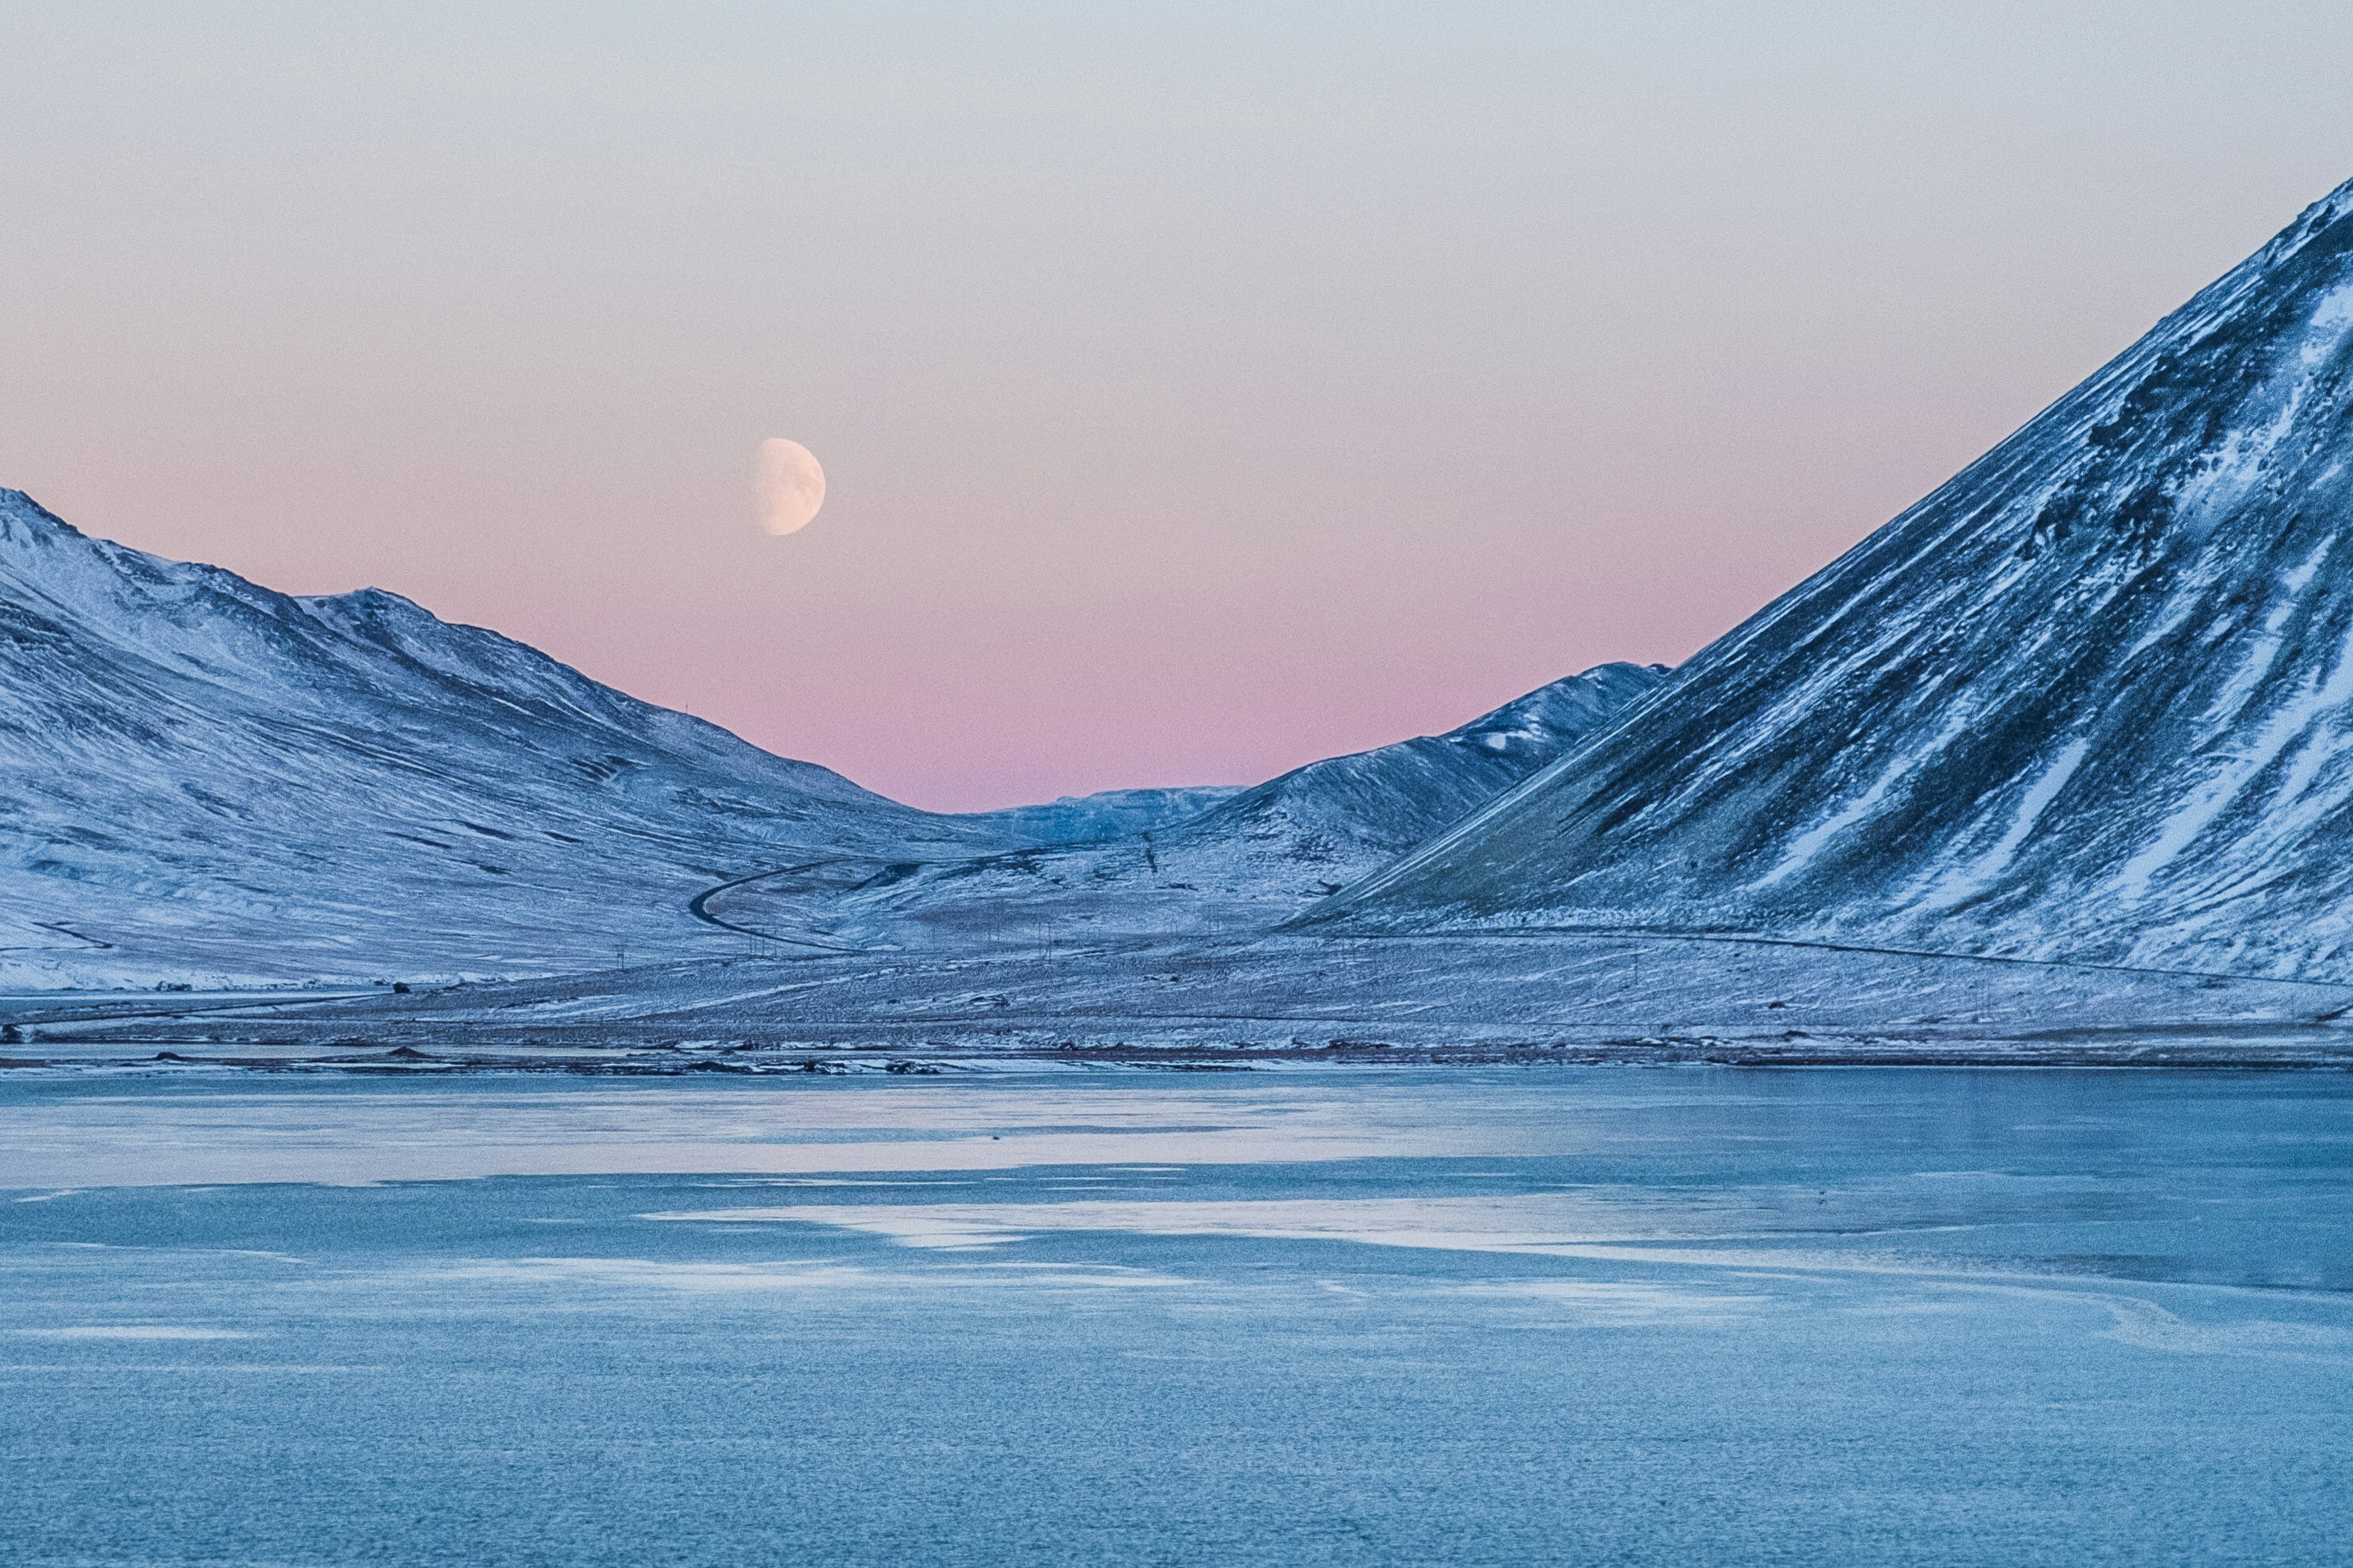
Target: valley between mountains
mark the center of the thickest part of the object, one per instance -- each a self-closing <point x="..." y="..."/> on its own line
<point x="2057" y="766"/>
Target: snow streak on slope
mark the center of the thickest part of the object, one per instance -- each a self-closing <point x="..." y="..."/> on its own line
<point x="2091" y="700"/>
<point x="203" y="779"/>
<point x="1254" y="859"/>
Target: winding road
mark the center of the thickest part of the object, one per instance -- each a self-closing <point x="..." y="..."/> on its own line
<point x="699" y="905"/>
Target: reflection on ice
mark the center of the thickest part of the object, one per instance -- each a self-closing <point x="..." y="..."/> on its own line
<point x="1548" y="1222"/>
<point x="128" y="1332"/>
<point x="2150" y="1327"/>
<point x="348" y="1135"/>
<point x="1625" y="1303"/>
<point x="738" y="1279"/>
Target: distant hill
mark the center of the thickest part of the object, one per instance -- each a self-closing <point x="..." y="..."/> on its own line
<point x="1348" y="815"/>
<point x="1107" y="817"/>
<point x="1254" y="859"/>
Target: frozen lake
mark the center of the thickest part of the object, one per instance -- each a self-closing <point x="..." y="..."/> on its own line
<point x="1496" y="1316"/>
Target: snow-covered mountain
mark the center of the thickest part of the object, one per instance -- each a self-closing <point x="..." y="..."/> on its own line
<point x="2091" y="699"/>
<point x="1257" y="857"/>
<point x="204" y="782"/>
<point x="1106" y="816"/>
<point x="201" y="778"/>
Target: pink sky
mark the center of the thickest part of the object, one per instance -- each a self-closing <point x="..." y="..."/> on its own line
<point x="1200" y="393"/>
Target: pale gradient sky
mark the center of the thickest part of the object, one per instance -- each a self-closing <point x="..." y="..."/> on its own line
<point x="1202" y="388"/>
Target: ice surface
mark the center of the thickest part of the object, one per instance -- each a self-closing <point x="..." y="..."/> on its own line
<point x="1580" y="1316"/>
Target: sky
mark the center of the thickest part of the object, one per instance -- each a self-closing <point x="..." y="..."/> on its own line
<point x="1202" y="388"/>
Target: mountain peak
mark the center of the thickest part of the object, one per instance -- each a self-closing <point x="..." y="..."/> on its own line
<point x="17" y="506"/>
<point x="2093" y="698"/>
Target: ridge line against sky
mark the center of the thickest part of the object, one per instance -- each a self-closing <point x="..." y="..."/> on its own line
<point x="1201" y="391"/>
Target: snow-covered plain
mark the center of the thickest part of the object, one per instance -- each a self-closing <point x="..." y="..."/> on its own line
<point x="1256" y="1002"/>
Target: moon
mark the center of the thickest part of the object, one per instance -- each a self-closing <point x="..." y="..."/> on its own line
<point x="791" y="486"/>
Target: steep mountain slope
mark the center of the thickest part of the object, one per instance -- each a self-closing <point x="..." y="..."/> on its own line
<point x="201" y="778"/>
<point x="2091" y="699"/>
<point x="1258" y="858"/>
